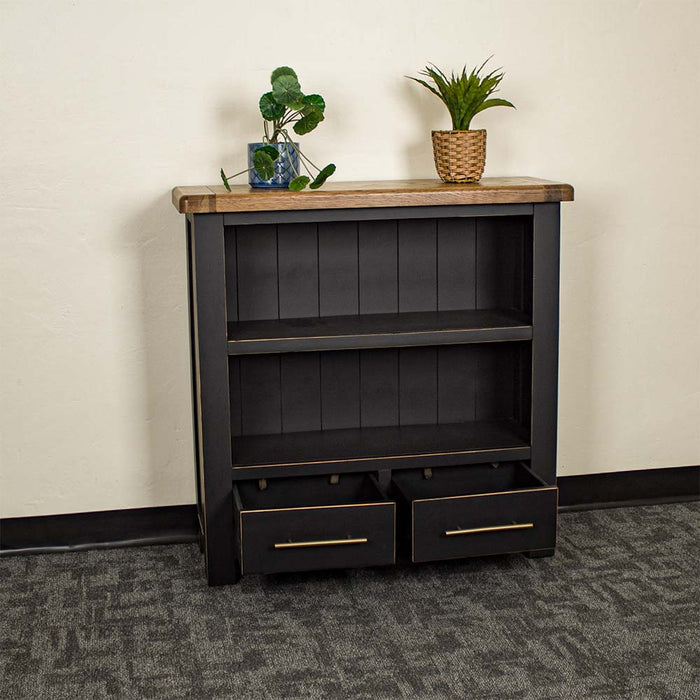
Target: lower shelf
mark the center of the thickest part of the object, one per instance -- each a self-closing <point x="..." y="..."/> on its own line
<point x="360" y="448"/>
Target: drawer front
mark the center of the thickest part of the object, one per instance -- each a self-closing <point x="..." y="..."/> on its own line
<point x="472" y="526"/>
<point x="321" y="537"/>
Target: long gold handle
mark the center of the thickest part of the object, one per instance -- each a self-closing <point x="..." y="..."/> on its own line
<point x="494" y="528"/>
<point x="319" y="543"/>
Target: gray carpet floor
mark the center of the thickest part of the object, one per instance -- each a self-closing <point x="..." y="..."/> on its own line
<point x="615" y="614"/>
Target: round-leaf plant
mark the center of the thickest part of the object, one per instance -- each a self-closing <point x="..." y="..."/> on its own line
<point x="282" y="106"/>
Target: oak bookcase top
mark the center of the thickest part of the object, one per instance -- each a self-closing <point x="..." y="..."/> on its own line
<point x="372" y="193"/>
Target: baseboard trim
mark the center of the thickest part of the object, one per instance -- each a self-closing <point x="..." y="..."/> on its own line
<point x="178" y="524"/>
<point x="631" y="488"/>
<point x="98" y="530"/>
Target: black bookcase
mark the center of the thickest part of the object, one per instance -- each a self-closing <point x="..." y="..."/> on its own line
<point x="373" y="382"/>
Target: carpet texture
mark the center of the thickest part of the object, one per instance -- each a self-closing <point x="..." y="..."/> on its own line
<point x="615" y="614"/>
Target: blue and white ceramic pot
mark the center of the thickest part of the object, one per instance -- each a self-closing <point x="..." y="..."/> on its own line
<point x="286" y="166"/>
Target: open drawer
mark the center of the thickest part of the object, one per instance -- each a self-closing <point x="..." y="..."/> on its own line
<point x="475" y="510"/>
<point x="305" y="523"/>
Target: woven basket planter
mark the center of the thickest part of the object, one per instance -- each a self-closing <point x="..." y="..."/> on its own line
<point x="460" y="156"/>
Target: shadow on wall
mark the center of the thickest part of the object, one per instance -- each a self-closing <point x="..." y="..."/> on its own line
<point x="430" y="114"/>
<point x="157" y="236"/>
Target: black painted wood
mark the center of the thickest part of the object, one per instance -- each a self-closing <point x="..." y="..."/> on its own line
<point x="457" y="384"/>
<point x="545" y="340"/>
<point x="377" y="214"/>
<point x="379" y="388"/>
<point x="376" y="443"/>
<point x="456" y="250"/>
<point x="340" y="390"/>
<point x="378" y="330"/>
<point x="338" y="269"/>
<point x="378" y="267"/>
<point x="312" y="510"/>
<point x="375" y="340"/>
<point x="301" y="392"/>
<point x="256" y="272"/>
<point x="297" y="262"/>
<point x="261" y="394"/>
<point x="475" y="496"/>
<point x="418" y="265"/>
<point x="194" y="380"/>
<point x="212" y="392"/>
<point x="418" y="386"/>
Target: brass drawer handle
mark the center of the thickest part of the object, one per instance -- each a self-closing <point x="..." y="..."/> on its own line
<point x="319" y="543"/>
<point x="494" y="528"/>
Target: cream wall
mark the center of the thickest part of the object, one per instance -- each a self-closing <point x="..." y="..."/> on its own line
<point x="107" y="105"/>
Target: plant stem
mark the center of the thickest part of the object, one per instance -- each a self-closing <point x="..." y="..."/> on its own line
<point x="298" y="152"/>
<point x="230" y="177"/>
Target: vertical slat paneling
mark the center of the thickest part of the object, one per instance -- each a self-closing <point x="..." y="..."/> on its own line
<point x="379" y="387"/>
<point x="340" y="389"/>
<point x="337" y="268"/>
<point x="378" y="267"/>
<point x="457" y="383"/>
<point x="418" y="386"/>
<point x="499" y="257"/>
<point x="234" y="383"/>
<point x="496" y="387"/>
<point x="417" y="265"/>
<point x="231" y="275"/>
<point x="297" y="259"/>
<point x="456" y="264"/>
<point x="257" y="272"/>
<point x="260" y="394"/>
<point x="301" y="392"/>
<point x="488" y="270"/>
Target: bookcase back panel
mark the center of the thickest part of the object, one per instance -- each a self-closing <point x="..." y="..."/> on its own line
<point x="303" y="270"/>
<point x="297" y="392"/>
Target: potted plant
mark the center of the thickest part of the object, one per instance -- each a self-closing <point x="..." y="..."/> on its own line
<point x="277" y="160"/>
<point x="460" y="154"/>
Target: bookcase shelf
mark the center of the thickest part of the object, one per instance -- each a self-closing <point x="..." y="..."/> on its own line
<point x="377" y="330"/>
<point x="372" y="448"/>
<point x="374" y="372"/>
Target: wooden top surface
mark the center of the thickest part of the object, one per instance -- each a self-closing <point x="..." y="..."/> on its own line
<point x="373" y="193"/>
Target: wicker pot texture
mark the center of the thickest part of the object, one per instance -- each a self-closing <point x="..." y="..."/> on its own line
<point x="460" y="156"/>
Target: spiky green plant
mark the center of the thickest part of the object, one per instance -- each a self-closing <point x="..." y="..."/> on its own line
<point x="464" y="95"/>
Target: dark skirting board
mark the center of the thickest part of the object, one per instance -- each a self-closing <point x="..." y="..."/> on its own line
<point x="178" y="524"/>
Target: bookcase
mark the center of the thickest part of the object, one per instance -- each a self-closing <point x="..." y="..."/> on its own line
<point x="374" y="372"/>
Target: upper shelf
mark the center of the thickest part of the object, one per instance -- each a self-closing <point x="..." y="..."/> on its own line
<point x="377" y="331"/>
<point x="360" y="195"/>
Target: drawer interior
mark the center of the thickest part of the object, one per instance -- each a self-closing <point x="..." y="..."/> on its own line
<point x="309" y="491"/>
<point x="466" y="480"/>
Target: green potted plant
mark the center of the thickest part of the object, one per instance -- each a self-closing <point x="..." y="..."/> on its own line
<point x="277" y="160"/>
<point x="460" y="153"/>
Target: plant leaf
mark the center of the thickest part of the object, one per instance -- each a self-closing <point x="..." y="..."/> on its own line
<point x="263" y="164"/>
<point x="282" y="70"/>
<point x="299" y="183"/>
<point x="322" y="176"/>
<point x="286" y="90"/>
<point x="495" y="102"/>
<point x="223" y="177"/>
<point x="308" y="123"/>
<point x="270" y="108"/>
<point x="314" y="101"/>
<point x="270" y="150"/>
